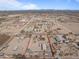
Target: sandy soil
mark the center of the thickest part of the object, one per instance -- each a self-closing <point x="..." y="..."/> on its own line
<point x="74" y="27"/>
<point x="3" y="38"/>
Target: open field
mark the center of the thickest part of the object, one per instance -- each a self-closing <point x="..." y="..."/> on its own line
<point x="3" y="38"/>
<point x="71" y="22"/>
<point x="73" y="26"/>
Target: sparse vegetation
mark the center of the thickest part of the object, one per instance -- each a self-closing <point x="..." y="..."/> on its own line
<point x="2" y="19"/>
<point x="19" y="56"/>
<point x="3" y="38"/>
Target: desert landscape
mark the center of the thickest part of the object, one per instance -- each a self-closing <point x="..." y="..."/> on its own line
<point x="39" y="34"/>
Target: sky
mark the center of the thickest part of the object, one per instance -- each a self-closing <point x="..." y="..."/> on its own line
<point x="39" y="4"/>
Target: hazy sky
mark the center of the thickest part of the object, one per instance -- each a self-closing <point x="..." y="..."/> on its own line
<point x="39" y="4"/>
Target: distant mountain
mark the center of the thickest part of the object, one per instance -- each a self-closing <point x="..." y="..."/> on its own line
<point x="38" y="11"/>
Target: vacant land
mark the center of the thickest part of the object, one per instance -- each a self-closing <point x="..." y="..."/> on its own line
<point x="43" y="34"/>
<point x="3" y="38"/>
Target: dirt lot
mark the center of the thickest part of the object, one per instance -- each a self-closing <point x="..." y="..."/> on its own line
<point x="74" y="27"/>
<point x="70" y="22"/>
<point x="3" y="38"/>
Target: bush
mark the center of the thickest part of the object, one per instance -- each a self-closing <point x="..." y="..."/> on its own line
<point x="19" y="56"/>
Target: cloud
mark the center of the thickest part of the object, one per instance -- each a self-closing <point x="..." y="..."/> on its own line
<point x="30" y="6"/>
<point x="16" y="5"/>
